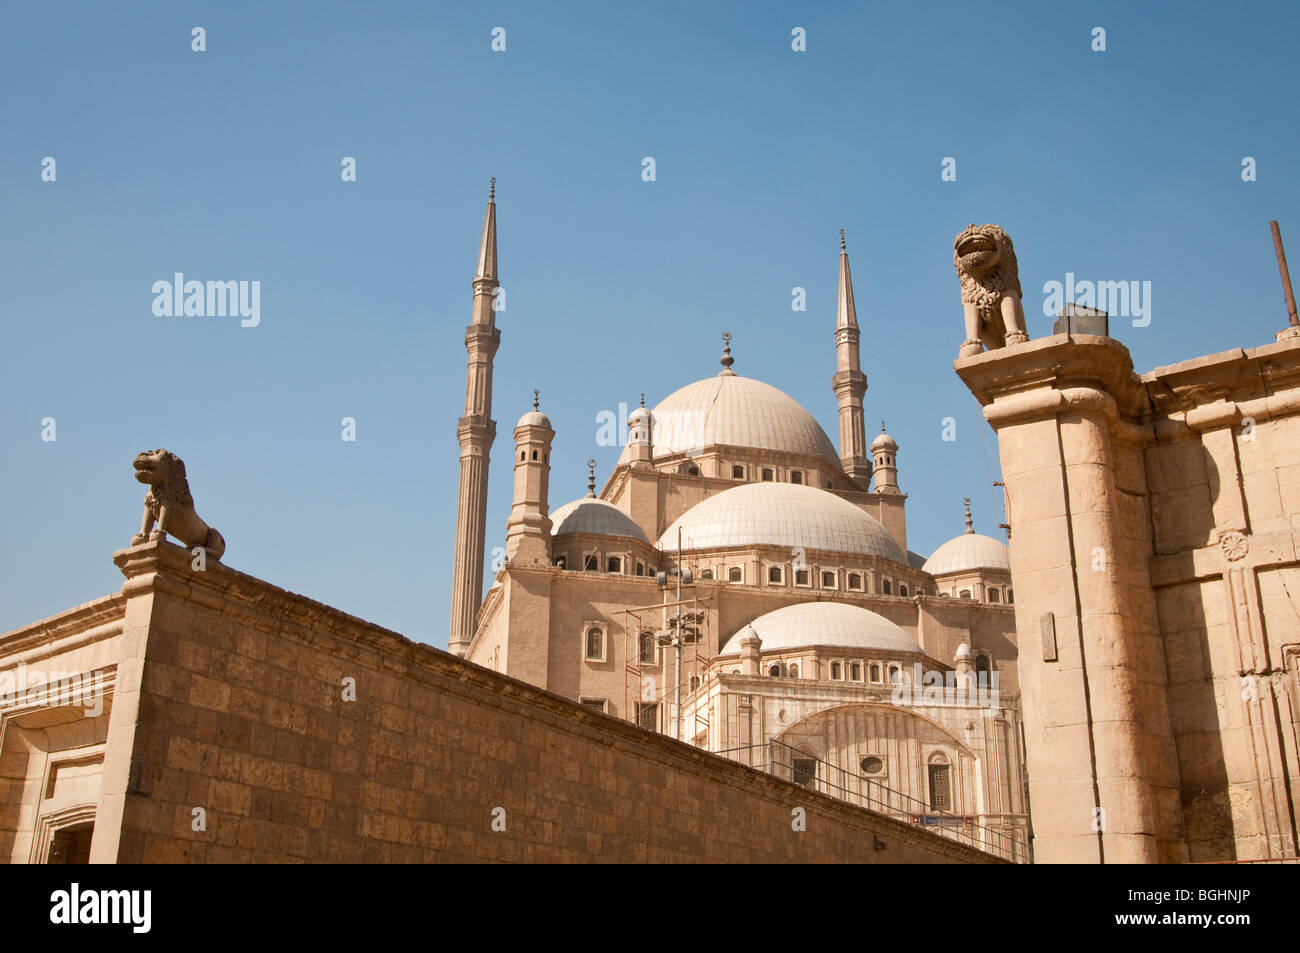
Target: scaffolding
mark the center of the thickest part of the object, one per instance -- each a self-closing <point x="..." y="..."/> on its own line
<point x="685" y="622"/>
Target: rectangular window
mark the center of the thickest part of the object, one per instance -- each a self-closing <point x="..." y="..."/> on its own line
<point x="796" y="476"/>
<point x="736" y="574"/>
<point x="940" y="794"/>
<point x="597" y="703"/>
<point x="829" y="580"/>
<point x="738" y="473"/>
<point x="775" y="575"/>
<point x="805" y="770"/>
<point x="647" y="715"/>
<point x="767" y="475"/>
<point x="801" y="577"/>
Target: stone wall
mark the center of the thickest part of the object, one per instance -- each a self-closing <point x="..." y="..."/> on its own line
<point x="1153" y="553"/>
<point x="229" y="706"/>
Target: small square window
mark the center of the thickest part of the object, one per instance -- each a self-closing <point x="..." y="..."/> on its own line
<point x="736" y="574"/>
<point x="597" y="703"/>
<point x="830" y="580"/>
<point x="796" y="476"/>
<point x="775" y="575"/>
<point x="801" y="577"/>
<point x="767" y="475"/>
<point x="855" y="581"/>
<point x="615" y="564"/>
<point x="737" y="473"/>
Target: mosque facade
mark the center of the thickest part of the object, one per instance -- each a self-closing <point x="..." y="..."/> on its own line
<point x="743" y="585"/>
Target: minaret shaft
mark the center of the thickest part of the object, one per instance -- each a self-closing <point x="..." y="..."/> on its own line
<point x="849" y="383"/>
<point x="475" y="432"/>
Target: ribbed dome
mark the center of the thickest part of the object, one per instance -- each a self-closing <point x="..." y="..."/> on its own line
<point x="782" y="514"/>
<point x="590" y="515"/>
<point x="534" y="418"/>
<point x="884" y="442"/>
<point x="966" y="552"/>
<point x="739" y="412"/>
<point x="825" y="623"/>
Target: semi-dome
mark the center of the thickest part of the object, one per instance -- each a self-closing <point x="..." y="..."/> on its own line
<point x="591" y="515"/>
<point x="782" y="514"/>
<point x="970" y="551"/>
<point x="739" y="412"/>
<point x="834" y="624"/>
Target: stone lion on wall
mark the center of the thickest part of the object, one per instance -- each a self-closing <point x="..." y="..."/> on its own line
<point x="985" y="261"/>
<point x="169" y="503"/>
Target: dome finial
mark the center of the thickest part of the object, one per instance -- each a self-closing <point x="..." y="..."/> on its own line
<point x="536" y="394"/>
<point x="882" y="426"/>
<point x="492" y="190"/>
<point x="591" y="476"/>
<point x="843" y="248"/>
<point x="727" y="359"/>
<point x="642" y="398"/>
<point x="970" y="528"/>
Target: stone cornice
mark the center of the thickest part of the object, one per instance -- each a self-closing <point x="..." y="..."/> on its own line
<point x="84" y="623"/>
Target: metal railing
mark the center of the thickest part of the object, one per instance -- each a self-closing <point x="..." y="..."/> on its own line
<point x="779" y="759"/>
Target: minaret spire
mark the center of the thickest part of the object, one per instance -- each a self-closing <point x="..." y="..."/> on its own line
<point x="475" y="432"/>
<point x="849" y="383"/>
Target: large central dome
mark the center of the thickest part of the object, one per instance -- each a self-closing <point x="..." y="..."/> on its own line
<point x="781" y="514"/>
<point x="739" y="412"/>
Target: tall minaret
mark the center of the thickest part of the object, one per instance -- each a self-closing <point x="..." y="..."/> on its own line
<point x="475" y="431"/>
<point x="849" y="382"/>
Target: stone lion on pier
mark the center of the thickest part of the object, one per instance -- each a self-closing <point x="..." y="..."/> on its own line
<point x="169" y="503"/>
<point x="985" y="261"/>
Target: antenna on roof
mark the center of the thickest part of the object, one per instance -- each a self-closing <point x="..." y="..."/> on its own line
<point x="1292" y="330"/>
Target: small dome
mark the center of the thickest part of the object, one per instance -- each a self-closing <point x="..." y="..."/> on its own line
<point x="534" y="418"/>
<point x="736" y="411"/>
<point x="884" y="442"/>
<point x="782" y="514"/>
<point x="641" y="413"/>
<point x="591" y="515"/>
<point x="963" y="651"/>
<point x="967" y="552"/>
<point x="835" y="624"/>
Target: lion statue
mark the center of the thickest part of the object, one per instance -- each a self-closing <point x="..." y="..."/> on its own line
<point x="169" y="502"/>
<point x="990" y="288"/>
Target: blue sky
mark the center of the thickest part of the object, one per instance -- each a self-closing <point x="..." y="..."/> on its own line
<point x="1122" y="165"/>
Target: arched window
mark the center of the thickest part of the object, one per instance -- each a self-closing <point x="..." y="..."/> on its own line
<point x="982" y="668"/>
<point x="640" y="568"/>
<point x="855" y="581"/>
<point x="829" y="580"/>
<point x="706" y="574"/>
<point x="796" y="476"/>
<point x="993" y="595"/>
<point x="767" y="475"/>
<point x="738" y="473"/>
<point x="895" y="675"/>
<point x="534" y="454"/>
<point x="940" y="790"/>
<point x="522" y="456"/>
<point x="560" y="562"/>
<point x="887" y="587"/>
<point x="875" y="672"/>
<point x="647" y="646"/>
<point x="855" y="671"/>
<point x="595" y="644"/>
<point x="801" y="577"/>
<point x="794" y="671"/>
<point x="736" y="574"/>
<point x="1011" y="597"/>
<point x="964" y="594"/>
<point x="615" y="564"/>
<point x="774" y="671"/>
<point x="902" y="589"/>
<point x="774" y="574"/>
<point x="590" y="564"/>
<point x="694" y="682"/>
<point x="836" y="670"/>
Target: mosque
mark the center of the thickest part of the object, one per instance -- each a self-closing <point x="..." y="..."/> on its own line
<point x="742" y="586"/>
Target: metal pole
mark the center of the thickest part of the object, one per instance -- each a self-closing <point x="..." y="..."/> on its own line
<point x="1286" y="275"/>
<point x="677" y="645"/>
